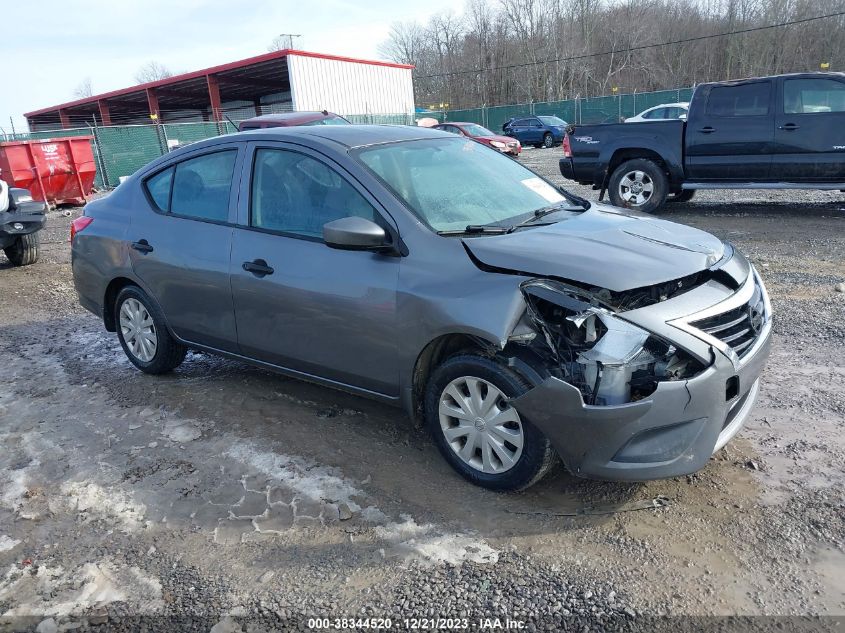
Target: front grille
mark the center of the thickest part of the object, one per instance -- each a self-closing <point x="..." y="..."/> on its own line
<point x="740" y="327"/>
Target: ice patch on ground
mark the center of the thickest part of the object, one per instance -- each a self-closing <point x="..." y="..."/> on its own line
<point x="429" y="544"/>
<point x="308" y="479"/>
<point x="55" y="592"/>
<point x="181" y="431"/>
<point x="95" y="502"/>
<point x="7" y="543"/>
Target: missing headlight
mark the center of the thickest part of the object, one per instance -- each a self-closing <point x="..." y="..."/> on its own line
<point x="610" y="360"/>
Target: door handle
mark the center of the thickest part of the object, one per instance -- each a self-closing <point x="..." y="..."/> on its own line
<point x="143" y="246"/>
<point x="259" y="268"/>
<point x="707" y="130"/>
<point x="789" y="127"/>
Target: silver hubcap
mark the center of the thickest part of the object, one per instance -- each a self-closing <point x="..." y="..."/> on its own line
<point x="636" y="188"/>
<point x="480" y="425"/>
<point x="138" y="330"/>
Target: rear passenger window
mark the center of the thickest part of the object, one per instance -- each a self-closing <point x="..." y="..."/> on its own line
<point x="294" y="193"/>
<point x="743" y="100"/>
<point x="159" y="188"/>
<point x="201" y="186"/>
<point x="813" y="96"/>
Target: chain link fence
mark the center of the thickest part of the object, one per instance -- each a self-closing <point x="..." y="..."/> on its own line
<point x="120" y="150"/>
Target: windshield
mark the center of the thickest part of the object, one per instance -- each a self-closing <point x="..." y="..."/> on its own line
<point x="552" y="120"/>
<point x="477" y="130"/>
<point x="454" y="183"/>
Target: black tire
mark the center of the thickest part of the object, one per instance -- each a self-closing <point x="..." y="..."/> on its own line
<point x="653" y="173"/>
<point x="685" y="195"/>
<point x="24" y="251"/>
<point x="537" y="456"/>
<point x="169" y="353"/>
<point x="548" y="140"/>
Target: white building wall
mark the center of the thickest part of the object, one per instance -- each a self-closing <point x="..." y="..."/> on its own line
<point x="349" y="87"/>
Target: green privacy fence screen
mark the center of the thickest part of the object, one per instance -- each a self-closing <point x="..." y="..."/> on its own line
<point x="609" y="109"/>
<point x="122" y="150"/>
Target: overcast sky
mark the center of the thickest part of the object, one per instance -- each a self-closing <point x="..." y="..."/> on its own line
<point x="48" y="47"/>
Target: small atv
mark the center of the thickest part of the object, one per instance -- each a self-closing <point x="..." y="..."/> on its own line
<point x="19" y="226"/>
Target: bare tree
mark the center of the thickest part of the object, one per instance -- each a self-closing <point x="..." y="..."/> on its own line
<point x="516" y="51"/>
<point x="282" y="42"/>
<point x="84" y="89"/>
<point x="152" y="71"/>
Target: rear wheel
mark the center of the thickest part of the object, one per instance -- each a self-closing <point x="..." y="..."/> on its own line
<point x="639" y="184"/>
<point x="143" y="333"/>
<point x="24" y="251"/>
<point x="548" y="140"/>
<point x="683" y="196"/>
<point x="468" y="412"/>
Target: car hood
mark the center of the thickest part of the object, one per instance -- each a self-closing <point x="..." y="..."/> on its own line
<point x="603" y="247"/>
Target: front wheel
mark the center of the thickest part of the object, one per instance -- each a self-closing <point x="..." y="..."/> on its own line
<point x="640" y="185"/>
<point x="469" y="415"/>
<point x="24" y="250"/>
<point x="548" y="140"/>
<point x="143" y="333"/>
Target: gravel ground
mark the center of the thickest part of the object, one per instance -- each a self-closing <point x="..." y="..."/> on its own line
<point x="227" y="498"/>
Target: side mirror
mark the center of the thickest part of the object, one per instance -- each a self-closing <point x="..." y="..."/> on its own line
<point x="355" y="234"/>
<point x="18" y="196"/>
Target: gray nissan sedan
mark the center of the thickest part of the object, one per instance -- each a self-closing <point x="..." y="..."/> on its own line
<point x="521" y="323"/>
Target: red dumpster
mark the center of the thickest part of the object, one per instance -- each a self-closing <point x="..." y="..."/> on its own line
<point x="55" y="170"/>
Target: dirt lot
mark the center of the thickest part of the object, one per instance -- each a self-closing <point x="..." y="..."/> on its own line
<point x="232" y="497"/>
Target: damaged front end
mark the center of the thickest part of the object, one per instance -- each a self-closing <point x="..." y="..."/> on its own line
<point x="582" y="341"/>
<point x="622" y="402"/>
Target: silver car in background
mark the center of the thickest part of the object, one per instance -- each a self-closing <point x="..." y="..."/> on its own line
<point x="522" y="323"/>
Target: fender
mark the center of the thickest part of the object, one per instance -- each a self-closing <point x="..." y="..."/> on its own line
<point x="659" y="138"/>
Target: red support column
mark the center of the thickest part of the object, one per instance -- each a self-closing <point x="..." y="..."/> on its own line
<point x="214" y="98"/>
<point x="152" y="102"/>
<point x="105" y="113"/>
<point x="64" y="118"/>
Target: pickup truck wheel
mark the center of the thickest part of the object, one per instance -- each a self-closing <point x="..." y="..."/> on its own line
<point x="24" y="251"/>
<point x="684" y="196"/>
<point x="469" y="415"/>
<point x="548" y="140"/>
<point x="639" y="184"/>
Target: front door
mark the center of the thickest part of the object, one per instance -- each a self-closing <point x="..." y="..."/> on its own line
<point x="300" y="304"/>
<point x="732" y="138"/>
<point x="180" y="246"/>
<point x="810" y="131"/>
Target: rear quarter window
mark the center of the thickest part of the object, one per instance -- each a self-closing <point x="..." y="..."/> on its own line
<point x="158" y="187"/>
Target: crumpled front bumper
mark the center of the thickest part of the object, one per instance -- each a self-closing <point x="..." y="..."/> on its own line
<point x="672" y="432"/>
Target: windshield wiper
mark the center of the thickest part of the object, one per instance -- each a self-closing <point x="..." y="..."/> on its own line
<point x="577" y="200"/>
<point x="488" y="229"/>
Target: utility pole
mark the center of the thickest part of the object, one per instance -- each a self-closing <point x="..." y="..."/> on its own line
<point x="290" y="37"/>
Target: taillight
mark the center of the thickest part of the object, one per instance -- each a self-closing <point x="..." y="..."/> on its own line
<point x="567" y="148"/>
<point x="78" y="225"/>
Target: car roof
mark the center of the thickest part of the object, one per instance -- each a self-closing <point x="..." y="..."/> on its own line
<point x="680" y="104"/>
<point x="349" y="136"/>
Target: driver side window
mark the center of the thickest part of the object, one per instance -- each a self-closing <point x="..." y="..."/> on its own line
<point x="294" y="193"/>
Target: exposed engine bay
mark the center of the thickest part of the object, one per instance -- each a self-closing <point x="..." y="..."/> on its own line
<point x="580" y="338"/>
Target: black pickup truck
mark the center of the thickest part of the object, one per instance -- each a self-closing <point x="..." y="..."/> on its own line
<point x="782" y="132"/>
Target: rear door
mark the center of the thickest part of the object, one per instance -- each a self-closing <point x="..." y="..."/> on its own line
<point x="732" y="136"/>
<point x="180" y="246"/>
<point x="300" y="304"/>
<point x="810" y="130"/>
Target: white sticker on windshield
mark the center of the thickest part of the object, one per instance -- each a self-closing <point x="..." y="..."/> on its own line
<point x="542" y="188"/>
